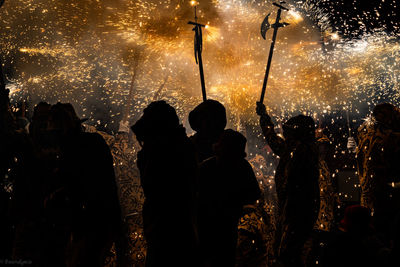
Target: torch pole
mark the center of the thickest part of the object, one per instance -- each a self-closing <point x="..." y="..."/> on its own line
<point x="271" y="52"/>
<point x="203" y="83"/>
<point x="276" y="26"/>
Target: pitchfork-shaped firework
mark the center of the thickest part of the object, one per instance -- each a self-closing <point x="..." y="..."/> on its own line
<point x="264" y="27"/>
<point x="198" y="47"/>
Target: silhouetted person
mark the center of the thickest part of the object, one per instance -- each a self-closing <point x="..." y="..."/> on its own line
<point x="168" y="168"/>
<point x="86" y="191"/>
<point x="378" y="158"/>
<point x="15" y="177"/>
<point x="227" y="183"/>
<point x="30" y="197"/>
<point x="8" y="150"/>
<point x="355" y="244"/>
<point x="208" y="119"/>
<point x="40" y="123"/>
<point x="296" y="182"/>
<point x="8" y="127"/>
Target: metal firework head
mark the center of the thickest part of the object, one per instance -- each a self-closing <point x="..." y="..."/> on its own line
<point x="198" y="42"/>
<point x="198" y="47"/>
<point x="265" y="25"/>
<point x="198" y="39"/>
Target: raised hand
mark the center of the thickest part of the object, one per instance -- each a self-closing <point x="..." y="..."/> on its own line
<point x="261" y="110"/>
<point x="265" y="119"/>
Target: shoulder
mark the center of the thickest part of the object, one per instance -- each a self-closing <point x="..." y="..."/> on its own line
<point x="246" y="165"/>
<point x="93" y="138"/>
<point x="208" y="163"/>
<point x="194" y="137"/>
<point x="94" y="142"/>
<point x="188" y="143"/>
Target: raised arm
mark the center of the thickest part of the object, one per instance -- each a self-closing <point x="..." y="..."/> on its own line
<point x="276" y="143"/>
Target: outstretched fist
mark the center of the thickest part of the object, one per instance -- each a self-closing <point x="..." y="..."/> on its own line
<point x="265" y="119"/>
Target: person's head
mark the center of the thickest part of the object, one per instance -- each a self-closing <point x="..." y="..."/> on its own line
<point x="63" y="119"/>
<point x="40" y="119"/>
<point x="70" y="109"/>
<point x="299" y="128"/>
<point x="231" y="145"/>
<point x="41" y="112"/>
<point x="208" y="118"/>
<point x="387" y="114"/>
<point x="158" y="119"/>
<point x="357" y="219"/>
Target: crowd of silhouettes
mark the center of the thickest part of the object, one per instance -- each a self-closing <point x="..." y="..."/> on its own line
<point x="59" y="194"/>
<point x="60" y="204"/>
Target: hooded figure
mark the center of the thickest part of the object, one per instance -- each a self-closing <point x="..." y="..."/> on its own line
<point x="296" y="182"/>
<point x="168" y="171"/>
<point x="378" y="156"/>
<point x="208" y="119"/>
